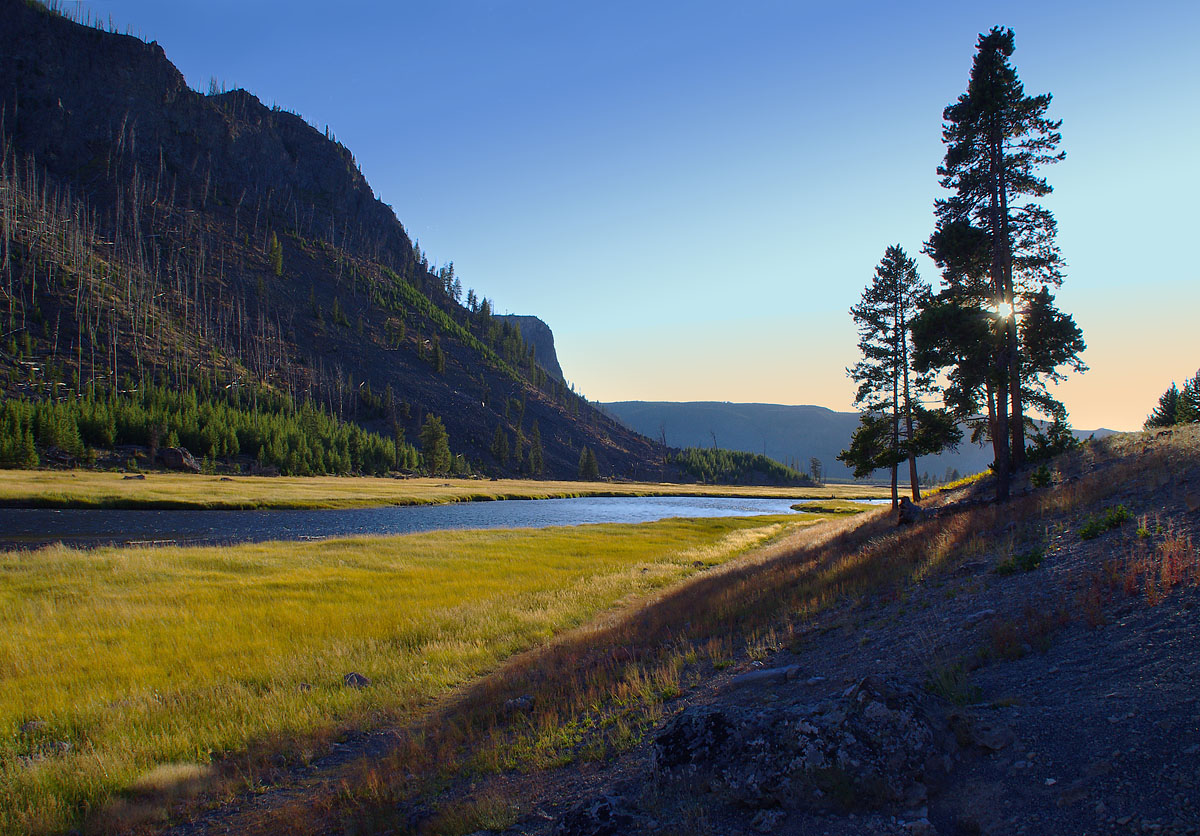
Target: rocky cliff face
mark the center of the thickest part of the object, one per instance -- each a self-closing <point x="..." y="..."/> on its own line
<point x="538" y="334"/>
<point x="85" y="101"/>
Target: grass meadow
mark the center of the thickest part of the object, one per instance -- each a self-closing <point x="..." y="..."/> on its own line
<point x="127" y="669"/>
<point x="96" y="489"/>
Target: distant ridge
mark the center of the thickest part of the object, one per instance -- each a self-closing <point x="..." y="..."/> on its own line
<point x="785" y="433"/>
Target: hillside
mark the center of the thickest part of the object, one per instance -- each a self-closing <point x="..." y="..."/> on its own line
<point x="212" y="244"/>
<point x="1025" y="667"/>
<point x="785" y="433"/>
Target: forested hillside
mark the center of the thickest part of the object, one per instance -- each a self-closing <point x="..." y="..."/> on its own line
<point x="156" y="239"/>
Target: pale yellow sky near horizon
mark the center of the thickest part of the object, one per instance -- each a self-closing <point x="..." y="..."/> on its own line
<point x="1132" y="358"/>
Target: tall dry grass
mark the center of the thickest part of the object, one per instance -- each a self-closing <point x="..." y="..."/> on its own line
<point x="119" y="661"/>
<point x="94" y="489"/>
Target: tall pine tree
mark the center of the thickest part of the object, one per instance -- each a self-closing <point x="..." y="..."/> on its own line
<point x="895" y="425"/>
<point x="1000" y="254"/>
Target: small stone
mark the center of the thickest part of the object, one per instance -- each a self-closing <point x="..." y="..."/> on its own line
<point x="1051" y="782"/>
<point x="355" y="680"/>
<point x="522" y="703"/>
<point x="765" y="676"/>
<point x="976" y="617"/>
<point x="1124" y="820"/>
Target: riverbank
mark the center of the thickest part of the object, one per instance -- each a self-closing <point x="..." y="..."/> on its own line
<point x="132" y="675"/>
<point x="95" y="489"/>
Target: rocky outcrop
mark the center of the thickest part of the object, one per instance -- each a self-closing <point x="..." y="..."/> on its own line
<point x="178" y="458"/>
<point x="877" y="745"/>
<point x="538" y="334"/>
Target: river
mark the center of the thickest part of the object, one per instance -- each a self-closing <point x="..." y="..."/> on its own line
<point x="24" y="528"/>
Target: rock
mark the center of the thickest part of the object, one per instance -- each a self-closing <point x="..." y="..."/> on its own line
<point x="522" y="703"/>
<point x="607" y="815"/>
<point x="909" y="512"/>
<point x="873" y="746"/>
<point x="34" y="727"/>
<point x="178" y="458"/>
<point x="765" y="676"/>
<point x="355" y="680"/>
<point x="1192" y="501"/>
<point x="976" y="617"/>
<point x="135" y="476"/>
<point x="537" y="334"/>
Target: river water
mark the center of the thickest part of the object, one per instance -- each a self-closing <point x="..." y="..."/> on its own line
<point x="33" y="527"/>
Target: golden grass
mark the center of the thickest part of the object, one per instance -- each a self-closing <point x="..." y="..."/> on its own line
<point x="126" y="671"/>
<point x="94" y="489"/>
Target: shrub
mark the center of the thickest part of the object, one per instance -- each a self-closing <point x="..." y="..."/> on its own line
<point x="1110" y="519"/>
<point x="1026" y="561"/>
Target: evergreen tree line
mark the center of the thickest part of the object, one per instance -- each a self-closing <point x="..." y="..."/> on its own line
<point x="1177" y="406"/>
<point x="299" y="439"/>
<point x="713" y="465"/>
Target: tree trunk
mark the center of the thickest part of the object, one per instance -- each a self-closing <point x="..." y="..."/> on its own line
<point x="908" y="412"/>
<point x="895" y="436"/>
<point x="1017" y="416"/>
<point x="1000" y="360"/>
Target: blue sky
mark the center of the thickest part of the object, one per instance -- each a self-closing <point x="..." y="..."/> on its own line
<point x="692" y="195"/>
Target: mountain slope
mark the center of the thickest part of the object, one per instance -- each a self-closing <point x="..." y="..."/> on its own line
<point x="149" y="232"/>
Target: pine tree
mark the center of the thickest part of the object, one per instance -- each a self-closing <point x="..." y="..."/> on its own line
<point x="499" y="447"/>
<point x="1177" y="406"/>
<point x="1189" y="401"/>
<point x="536" y="463"/>
<point x="996" y="139"/>
<point x="275" y="256"/>
<point x="435" y="445"/>
<point x="894" y="425"/>
<point x="589" y="469"/>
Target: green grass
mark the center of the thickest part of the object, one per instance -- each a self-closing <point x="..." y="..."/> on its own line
<point x="1112" y="518"/>
<point x="1026" y="561"/>
<point x="123" y="665"/>
<point x="834" y="506"/>
<point x="95" y="489"/>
